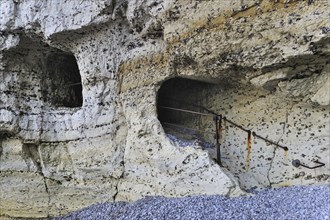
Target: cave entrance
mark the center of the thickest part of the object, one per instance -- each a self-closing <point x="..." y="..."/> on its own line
<point x="210" y="116"/>
<point x="61" y="84"/>
<point x="180" y="107"/>
<point x="45" y="75"/>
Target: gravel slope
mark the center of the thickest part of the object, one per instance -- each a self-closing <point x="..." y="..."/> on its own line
<point x="298" y="202"/>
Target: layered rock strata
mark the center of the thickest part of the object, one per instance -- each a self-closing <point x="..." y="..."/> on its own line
<point x="79" y="84"/>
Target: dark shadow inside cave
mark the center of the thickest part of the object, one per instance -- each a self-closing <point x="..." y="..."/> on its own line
<point x="61" y="84"/>
<point x="179" y="103"/>
<point x="44" y="73"/>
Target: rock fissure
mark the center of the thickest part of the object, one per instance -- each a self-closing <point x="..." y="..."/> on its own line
<point x="271" y="167"/>
<point x="39" y="164"/>
<point x="48" y="193"/>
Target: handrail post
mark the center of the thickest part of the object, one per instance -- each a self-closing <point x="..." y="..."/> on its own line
<point x="248" y="149"/>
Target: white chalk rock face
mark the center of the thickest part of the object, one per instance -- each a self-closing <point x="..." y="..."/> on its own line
<point x="92" y="93"/>
<point x="322" y="96"/>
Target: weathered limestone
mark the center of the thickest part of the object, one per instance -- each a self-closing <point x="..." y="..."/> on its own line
<point x="267" y="62"/>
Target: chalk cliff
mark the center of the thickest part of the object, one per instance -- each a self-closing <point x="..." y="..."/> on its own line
<point x="83" y="86"/>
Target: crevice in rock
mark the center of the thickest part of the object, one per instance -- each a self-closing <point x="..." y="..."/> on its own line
<point x="122" y="139"/>
<point x="32" y="152"/>
<point x="286" y="122"/>
<point x="47" y="191"/>
<point x="232" y="187"/>
<point x="280" y="139"/>
<point x="119" y="178"/>
<point x="116" y="188"/>
<point x="72" y="165"/>
<point x="270" y="167"/>
<point x="44" y="178"/>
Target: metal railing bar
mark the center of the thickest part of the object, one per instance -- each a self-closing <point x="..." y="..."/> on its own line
<point x="183" y="127"/>
<point x="218" y="118"/>
<point x="269" y="141"/>
<point x="218" y="137"/>
<point x="187" y="111"/>
<point x="73" y="84"/>
<point x="227" y="120"/>
<point x="193" y="105"/>
<point x="297" y="163"/>
<point x="236" y="125"/>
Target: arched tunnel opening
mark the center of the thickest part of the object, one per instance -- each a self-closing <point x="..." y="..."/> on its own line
<point x="44" y="74"/>
<point x="180" y="107"/>
<point x="214" y="117"/>
<point x="61" y="82"/>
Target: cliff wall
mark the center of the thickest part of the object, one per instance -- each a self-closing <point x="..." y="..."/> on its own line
<point x="80" y="103"/>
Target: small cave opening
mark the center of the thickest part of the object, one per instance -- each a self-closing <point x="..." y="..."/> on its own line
<point x="44" y="75"/>
<point x="61" y="84"/>
<point x="180" y="108"/>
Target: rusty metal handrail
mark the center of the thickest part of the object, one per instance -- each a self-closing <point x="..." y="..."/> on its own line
<point x="218" y="132"/>
<point x="184" y="127"/>
<point x="73" y="84"/>
<point x="227" y="120"/>
<point x="218" y="135"/>
<point x="297" y="163"/>
<point x="191" y="104"/>
<point x="269" y="141"/>
<point x="236" y="125"/>
<point x="187" y="111"/>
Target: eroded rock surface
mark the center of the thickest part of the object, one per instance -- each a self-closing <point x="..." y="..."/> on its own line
<point x="74" y="137"/>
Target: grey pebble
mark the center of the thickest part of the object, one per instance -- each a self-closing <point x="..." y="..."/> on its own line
<point x="289" y="203"/>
